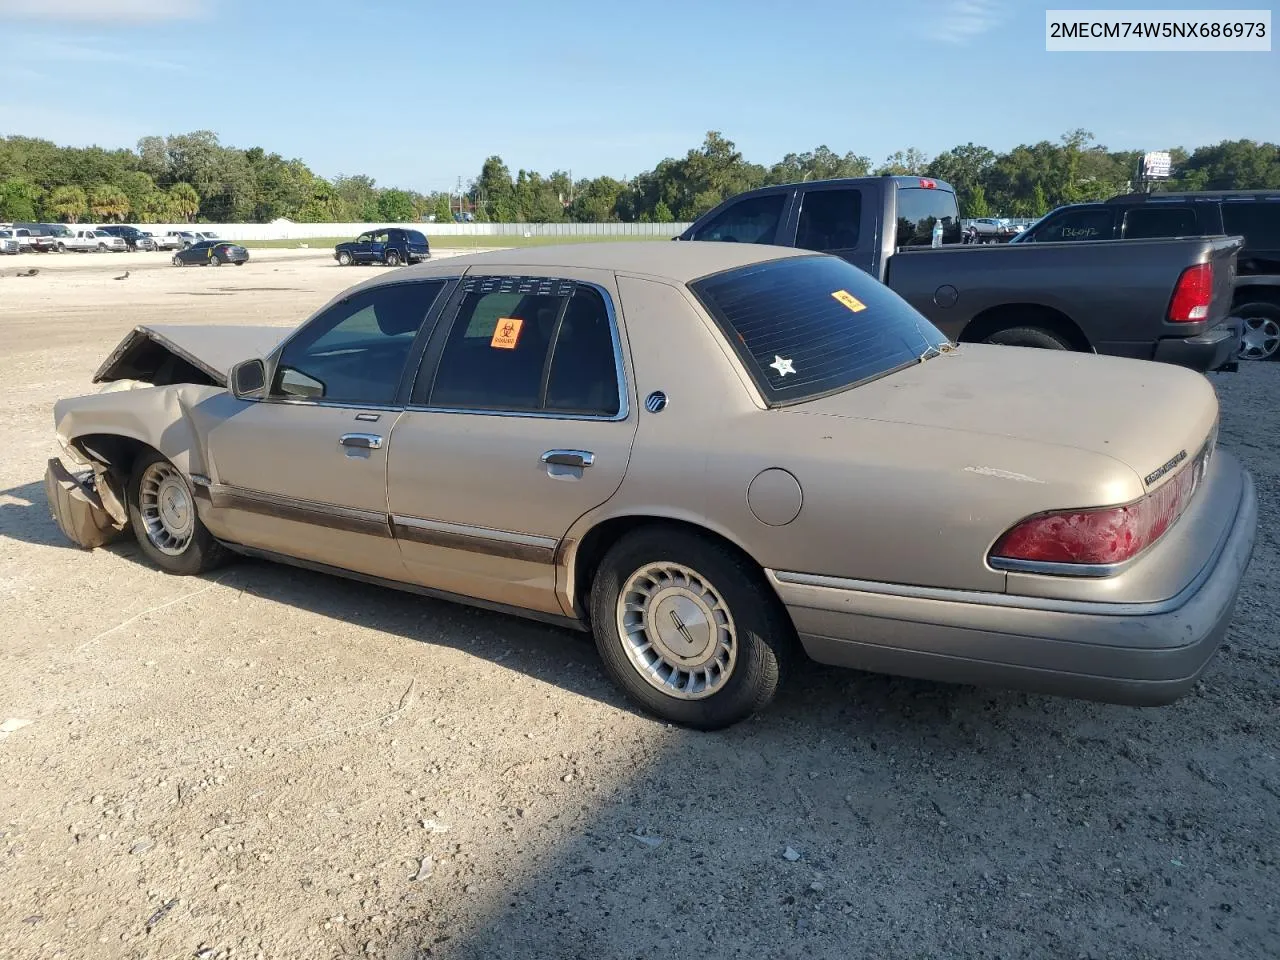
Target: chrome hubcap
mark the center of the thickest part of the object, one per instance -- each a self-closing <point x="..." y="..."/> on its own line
<point x="164" y="503"/>
<point x="677" y="631"/>
<point x="1260" y="339"/>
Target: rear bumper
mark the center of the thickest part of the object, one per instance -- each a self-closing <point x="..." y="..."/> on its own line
<point x="1216" y="349"/>
<point x="1132" y="653"/>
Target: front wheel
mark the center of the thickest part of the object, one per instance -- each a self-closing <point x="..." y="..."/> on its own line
<point x="162" y="512"/>
<point x="177" y="260"/>
<point x="1029" y="337"/>
<point x="344" y="259"/>
<point x="689" y="630"/>
<point x="102" y="248"/>
<point x="62" y="248"/>
<point x="391" y="258"/>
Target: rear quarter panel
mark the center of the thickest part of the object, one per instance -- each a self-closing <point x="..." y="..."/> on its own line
<point x="1117" y="293"/>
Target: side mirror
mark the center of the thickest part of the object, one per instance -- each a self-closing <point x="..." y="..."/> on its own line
<point x="248" y="380"/>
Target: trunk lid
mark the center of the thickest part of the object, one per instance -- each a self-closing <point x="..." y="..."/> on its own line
<point x="1150" y="416"/>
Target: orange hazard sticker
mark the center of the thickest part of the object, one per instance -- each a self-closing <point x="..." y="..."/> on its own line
<point x="850" y="301"/>
<point x="507" y="333"/>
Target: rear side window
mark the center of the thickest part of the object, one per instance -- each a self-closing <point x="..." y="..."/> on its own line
<point x="527" y="344"/>
<point x="920" y="209"/>
<point x="1091" y="224"/>
<point x="829" y="220"/>
<point x="1152" y="222"/>
<point x="809" y="326"/>
<point x="1258" y="221"/>
<point x="754" y="220"/>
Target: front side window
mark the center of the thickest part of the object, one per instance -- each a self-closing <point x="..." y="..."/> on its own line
<point x="527" y="344"/>
<point x="754" y="220"/>
<point x="1094" y="223"/>
<point x="356" y="351"/>
<point x="920" y="210"/>
<point x="829" y="220"/>
<point x="809" y="326"/>
<point x="364" y="238"/>
<point x="1152" y="222"/>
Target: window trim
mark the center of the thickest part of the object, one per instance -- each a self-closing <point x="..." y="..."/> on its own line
<point x="441" y="335"/>
<point x="412" y="361"/>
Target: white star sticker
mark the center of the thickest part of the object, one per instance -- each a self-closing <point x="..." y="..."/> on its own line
<point x="782" y="366"/>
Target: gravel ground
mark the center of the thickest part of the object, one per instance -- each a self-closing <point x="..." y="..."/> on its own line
<point x="272" y="763"/>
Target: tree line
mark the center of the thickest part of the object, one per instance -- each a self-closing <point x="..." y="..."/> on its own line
<point x="192" y="176"/>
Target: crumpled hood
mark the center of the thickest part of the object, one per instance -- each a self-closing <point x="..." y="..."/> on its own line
<point x="1140" y="413"/>
<point x="211" y="349"/>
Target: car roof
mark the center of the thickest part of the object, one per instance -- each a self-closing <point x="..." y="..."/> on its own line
<point x="680" y="262"/>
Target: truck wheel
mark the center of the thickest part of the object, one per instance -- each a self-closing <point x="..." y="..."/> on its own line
<point x="1261" y="336"/>
<point x="1028" y="337"/>
<point x="344" y="259"/>
<point x="62" y="248"/>
<point x="391" y="258"/>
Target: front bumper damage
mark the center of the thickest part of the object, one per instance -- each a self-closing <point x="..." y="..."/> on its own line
<point x="83" y="506"/>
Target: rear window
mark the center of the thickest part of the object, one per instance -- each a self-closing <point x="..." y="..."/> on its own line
<point x="1257" y="221"/>
<point x="920" y="209"/>
<point x="1153" y="222"/>
<point x="415" y="237"/>
<point x="809" y="326"/>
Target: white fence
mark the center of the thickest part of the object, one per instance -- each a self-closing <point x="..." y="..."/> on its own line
<point x="304" y="231"/>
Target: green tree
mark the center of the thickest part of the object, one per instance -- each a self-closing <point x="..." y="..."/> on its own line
<point x="496" y="193"/>
<point x="19" y="198"/>
<point x="108" y="204"/>
<point x="360" y="195"/>
<point x="976" y="205"/>
<point x="184" y="202"/>
<point x="395" y="206"/>
<point x="67" y="204"/>
<point x="443" y="208"/>
<point x="662" y="213"/>
<point x="596" y="201"/>
<point x="904" y="163"/>
<point x="819" y="164"/>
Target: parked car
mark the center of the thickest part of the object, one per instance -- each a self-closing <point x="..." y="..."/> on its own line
<point x="1164" y="300"/>
<point x="182" y="239"/>
<point x="714" y="456"/>
<point x="994" y="229"/>
<point x="212" y="253"/>
<point x="207" y="235"/>
<point x="167" y="241"/>
<point x="90" y="241"/>
<point x="56" y="232"/>
<point x="9" y="243"/>
<point x="147" y="240"/>
<point x="390" y="245"/>
<point x="130" y="235"/>
<point x="1251" y="214"/>
<point x="32" y="238"/>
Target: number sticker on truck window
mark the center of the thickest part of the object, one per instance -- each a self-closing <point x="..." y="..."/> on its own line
<point x="850" y="301"/>
<point x="507" y="333"/>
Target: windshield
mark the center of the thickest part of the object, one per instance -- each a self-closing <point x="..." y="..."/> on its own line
<point x="806" y="327"/>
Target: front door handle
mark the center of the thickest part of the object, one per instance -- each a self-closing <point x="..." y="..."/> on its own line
<point x="364" y="441"/>
<point x="569" y="458"/>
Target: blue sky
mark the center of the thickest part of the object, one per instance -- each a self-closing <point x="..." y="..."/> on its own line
<point x="416" y="94"/>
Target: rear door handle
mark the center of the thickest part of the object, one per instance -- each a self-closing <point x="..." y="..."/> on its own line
<point x="569" y="458"/>
<point x="365" y="441"/>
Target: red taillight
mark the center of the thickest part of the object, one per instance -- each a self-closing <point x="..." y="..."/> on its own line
<point x="1104" y="536"/>
<point x="1192" y="295"/>
<point x="928" y="184"/>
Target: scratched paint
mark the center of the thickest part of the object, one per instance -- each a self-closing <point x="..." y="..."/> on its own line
<point x="1002" y="474"/>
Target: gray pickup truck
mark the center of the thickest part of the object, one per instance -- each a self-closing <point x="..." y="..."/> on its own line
<point x="1167" y="300"/>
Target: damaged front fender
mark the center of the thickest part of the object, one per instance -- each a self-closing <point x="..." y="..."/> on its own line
<point x="78" y="509"/>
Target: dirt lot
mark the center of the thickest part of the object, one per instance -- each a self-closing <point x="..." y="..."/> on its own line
<point x="257" y="764"/>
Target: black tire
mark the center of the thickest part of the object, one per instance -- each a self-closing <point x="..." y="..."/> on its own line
<point x="202" y="552"/>
<point x="62" y="248"/>
<point x="1029" y="337"/>
<point x="241" y="263"/>
<point x="215" y="261"/>
<point x="764" y="636"/>
<point x="177" y="261"/>
<point x="1259" y="310"/>
<point x="391" y="258"/>
<point x="344" y="259"/>
<point x="102" y="248"/>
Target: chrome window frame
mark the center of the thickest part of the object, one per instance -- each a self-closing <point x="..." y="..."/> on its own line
<point x="615" y="334"/>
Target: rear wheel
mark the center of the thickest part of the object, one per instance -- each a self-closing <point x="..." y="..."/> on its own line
<point x="689" y="630"/>
<point x="391" y="258"/>
<point x="1260" y="339"/>
<point x="1029" y="337"/>
<point x="162" y="512"/>
<point x="102" y="248"/>
<point x="344" y="259"/>
<point x="215" y="261"/>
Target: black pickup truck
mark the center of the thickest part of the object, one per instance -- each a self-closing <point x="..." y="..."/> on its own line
<point x="1165" y="299"/>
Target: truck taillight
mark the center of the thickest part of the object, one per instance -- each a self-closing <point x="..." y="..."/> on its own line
<point x="1103" y="536"/>
<point x="928" y="184"/>
<point x="1192" y="294"/>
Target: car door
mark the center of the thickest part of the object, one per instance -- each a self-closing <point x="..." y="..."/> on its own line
<point x="755" y="218"/>
<point x="378" y="246"/>
<point x="519" y="422"/>
<point x="838" y="220"/>
<point x="1076" y="223"/>
<point x="303" y="472"/>
<point x="360" y="248"/>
